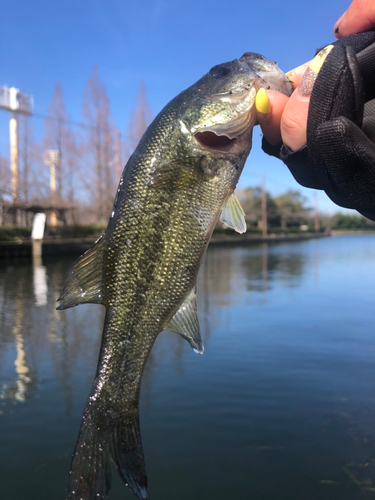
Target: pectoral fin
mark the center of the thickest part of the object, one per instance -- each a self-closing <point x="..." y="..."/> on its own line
<point x="86" y="283"/>
<point x="233" y="215"/>
<point x="185" y="322"/>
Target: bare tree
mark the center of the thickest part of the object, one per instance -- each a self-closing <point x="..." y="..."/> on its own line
<point x="72" y="153"/>
<point x="140" y="119"/>
<point x="26" y="155"/>
<point x="5" y="185"/>
<point x="55" y="125"/>
<point x="72" y="150"/>
<point x="38" y="174"/>
<point x="33" y="178"/>
<point x="118" y="154"/>
<point x="100" y="146"/>
<point x="59" y="135"/>
<point x="5" y="178"/>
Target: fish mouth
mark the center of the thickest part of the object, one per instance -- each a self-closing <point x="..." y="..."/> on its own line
<point x="231" y="129"/>
<point x="234" y="136"/>
<point x="210" y="140"/>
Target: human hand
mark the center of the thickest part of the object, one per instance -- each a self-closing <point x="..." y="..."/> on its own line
<point x="283" y="119"/>
<point x="329" y="143"/>
<point x="286" y="120"/>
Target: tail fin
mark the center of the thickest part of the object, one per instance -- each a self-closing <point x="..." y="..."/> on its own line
<point x="106" y="434"/>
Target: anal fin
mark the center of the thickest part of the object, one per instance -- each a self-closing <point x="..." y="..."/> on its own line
<point x="185" y="322"/>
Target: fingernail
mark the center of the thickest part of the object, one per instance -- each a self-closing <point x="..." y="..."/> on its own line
<point x="336" y="27"/>
<point x="294" y="74"/>
<point x="308" y="79"/>
<point x="290" y="75"/>
<point x="319" y="59"/>
<point x="262" y="103"/>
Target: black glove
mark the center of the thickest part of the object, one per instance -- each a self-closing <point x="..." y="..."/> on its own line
<point x="340" y="153"/>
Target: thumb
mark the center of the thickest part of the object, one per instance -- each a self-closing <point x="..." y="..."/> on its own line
<point x="359" y="17"/>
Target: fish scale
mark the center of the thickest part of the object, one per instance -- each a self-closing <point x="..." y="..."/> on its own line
<point x="144" y="267"/>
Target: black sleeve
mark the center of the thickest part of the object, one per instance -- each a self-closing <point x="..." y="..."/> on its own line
<point x="339" y="157"/>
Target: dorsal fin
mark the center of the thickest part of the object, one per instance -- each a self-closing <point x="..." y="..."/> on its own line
<point x="185" y="322"/>
<point x="86" y="283"/>
<point x="233" y="215"/>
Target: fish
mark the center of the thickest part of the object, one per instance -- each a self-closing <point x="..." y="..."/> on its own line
<point x="177" y="184"/>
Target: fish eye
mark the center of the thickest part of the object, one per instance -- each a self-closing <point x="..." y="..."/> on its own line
<point x="219" y="71"/>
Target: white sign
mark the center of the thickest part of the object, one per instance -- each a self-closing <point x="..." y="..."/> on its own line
<point x="38" y="226"/>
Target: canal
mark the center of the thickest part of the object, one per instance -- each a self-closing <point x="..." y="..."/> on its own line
<point x="281" y="406"/>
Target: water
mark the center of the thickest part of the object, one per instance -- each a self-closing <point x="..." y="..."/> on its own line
<point x="281" y="406"/>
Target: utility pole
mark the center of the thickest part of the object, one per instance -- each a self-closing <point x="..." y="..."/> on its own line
<point x="11" y="99"/>
<point x="264" y="208"/>
<point x="13" y="140"/>
<point x="52" y="159"/>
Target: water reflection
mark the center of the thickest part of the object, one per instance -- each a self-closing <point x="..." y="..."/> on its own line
<point x="229" y="275"/>
<point x="28" y="295"/>
<point x="31" y="328"/>
<point x="22" y="384"/>
<point x="35" y="335"/>
<point x="40" y="281"/>
<point x="265" y="268"/>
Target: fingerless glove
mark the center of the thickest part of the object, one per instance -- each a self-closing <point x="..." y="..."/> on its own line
<point x="339" y="157"/>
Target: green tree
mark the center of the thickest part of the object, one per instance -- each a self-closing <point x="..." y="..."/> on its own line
<point x="251" y="201"/>
<point x="292" y="209"/>
<point x="343" y="221"/>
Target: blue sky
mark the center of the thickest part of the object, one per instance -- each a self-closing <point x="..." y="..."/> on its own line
<point x="168" y="44"/>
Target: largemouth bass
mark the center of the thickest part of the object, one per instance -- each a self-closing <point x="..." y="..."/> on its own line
<point x="143" y="269"/>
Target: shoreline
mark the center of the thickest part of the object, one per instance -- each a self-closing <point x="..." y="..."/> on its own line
<point x="11" y="250"/>
<point x="249" y="239"/>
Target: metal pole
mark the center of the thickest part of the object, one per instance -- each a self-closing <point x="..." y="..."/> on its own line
<point x="14" y="154"/>
<point x="52" y="159"/>
<point x="53" y="180"/>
